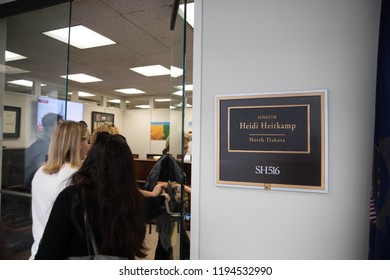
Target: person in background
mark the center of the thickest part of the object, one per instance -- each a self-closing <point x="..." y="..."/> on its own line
<point x="186" y="145"/>
<point x="115" y="207"/>
<point x="84" y="123"/>
<point x="67" y="150"/>
<point x="36" y="154"/>
<point x="110" y="128"/>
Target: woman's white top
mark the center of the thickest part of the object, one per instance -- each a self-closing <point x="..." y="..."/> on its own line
<point x="44" y="190"/>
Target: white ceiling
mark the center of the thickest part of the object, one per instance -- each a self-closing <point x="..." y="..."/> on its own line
<point x="140" y="28"/>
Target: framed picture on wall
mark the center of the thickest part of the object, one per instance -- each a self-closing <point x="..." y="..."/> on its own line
<point x="99" y="118"/>
<point x="11" y="122"/>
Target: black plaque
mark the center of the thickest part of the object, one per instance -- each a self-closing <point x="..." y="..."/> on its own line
<point x="272" y="141"/>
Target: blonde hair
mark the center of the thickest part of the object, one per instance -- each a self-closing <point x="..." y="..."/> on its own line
<point x="187" y="138"/>
<point x="110" y="128"/>
<point x="65" y="146"/>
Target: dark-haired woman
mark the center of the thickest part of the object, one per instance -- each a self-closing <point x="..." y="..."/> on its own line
<point x="105" y="186"/>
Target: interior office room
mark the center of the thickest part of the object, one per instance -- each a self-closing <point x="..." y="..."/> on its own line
<point x="146" y="108"/>
<point x="232" y="49"/>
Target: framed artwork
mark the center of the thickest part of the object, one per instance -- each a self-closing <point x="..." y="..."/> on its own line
<point x="272" y="141"/>
<point x="159" y="130"/>
<point x="99" y="118"/>
<point x="11" y="122"/>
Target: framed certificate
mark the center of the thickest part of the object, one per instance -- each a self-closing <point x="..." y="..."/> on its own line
<point x="11" y="122"/>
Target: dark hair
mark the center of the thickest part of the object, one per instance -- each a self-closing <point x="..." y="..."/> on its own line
<point x="116" y="207"/>
<point x="84" y="123"/>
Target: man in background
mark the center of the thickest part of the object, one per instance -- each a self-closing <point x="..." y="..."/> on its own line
<point x="36" y="154"/>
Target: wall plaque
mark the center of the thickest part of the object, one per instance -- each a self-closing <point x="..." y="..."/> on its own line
<point x="272" y="141"/>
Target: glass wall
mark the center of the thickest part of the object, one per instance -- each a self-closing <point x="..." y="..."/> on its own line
<point x="180" y="127"/>
<point x="35" y="80"/>
<point x="32" y="83"/>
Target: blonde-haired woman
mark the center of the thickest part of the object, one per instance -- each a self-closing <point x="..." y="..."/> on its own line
<point x="67" y="150"/>
<point x="111" y="129"/>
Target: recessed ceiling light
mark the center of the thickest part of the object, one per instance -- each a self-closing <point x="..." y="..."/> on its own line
<point x="85" y="94"/>
<point x="24" y="83"/>
<point x="152" y="70"/>
<point x="82" y="78"/>
<point x="117" y="101"/>
<point x="143" y="106"/>
<point x="80" y="37"/>
<point x="129" y="90"/>
<point x="181" y="104"/>
<point x="176" y="72"/>
<point x="163" y="100"/>
<point x="187" y="87"/>
<point x="10" y="56"/>
<point x="190" y="13"/>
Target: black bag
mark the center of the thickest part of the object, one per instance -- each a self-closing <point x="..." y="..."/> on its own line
<point x="167" y="169"/>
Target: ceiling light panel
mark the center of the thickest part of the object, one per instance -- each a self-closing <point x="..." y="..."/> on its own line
<point x="85" y="94"/>
<point x="10" y="56"/>
<point x="80" y="37"/>
<point x="24" y="83"/>
<point x="176" y="72"/>
<point x="152" y="70"/>
<point x="82" y="78"/>
<point x="190" y="13"/>
<point x="186" y="87"/>
<point x="117" y="101"/>
<point x="129" y="91"/>
<point x="143" y="106"/>
<point x="163" y="100"/>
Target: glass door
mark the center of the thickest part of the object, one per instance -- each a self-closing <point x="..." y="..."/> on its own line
<point x="40" y="76"/>
<point x="180" y="126"/>
<point x="33" y="75"/>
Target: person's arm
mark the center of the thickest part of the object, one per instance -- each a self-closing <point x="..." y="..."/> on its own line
<point x="56" y="238"/>
<point x="176" y="185"/>
<point x="155" y="192"/>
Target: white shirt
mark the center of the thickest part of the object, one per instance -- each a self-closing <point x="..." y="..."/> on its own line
<point x="44" y="190"/>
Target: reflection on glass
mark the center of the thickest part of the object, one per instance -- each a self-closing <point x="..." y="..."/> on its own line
<point x="28" y="74"/>
<point x="180" y="134"/>
<point x="137" y="104"/>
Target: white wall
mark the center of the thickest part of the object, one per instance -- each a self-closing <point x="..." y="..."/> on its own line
<point x="136" y="128"/>
<point x="263" y="46"/>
